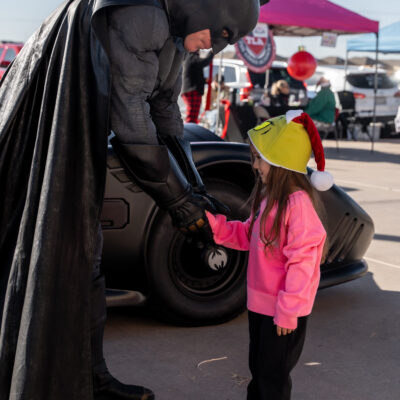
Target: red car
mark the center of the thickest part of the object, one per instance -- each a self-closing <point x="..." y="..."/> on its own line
<point x="8" y="51"/>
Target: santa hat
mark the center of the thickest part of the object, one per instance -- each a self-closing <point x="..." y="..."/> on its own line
<point x="287" y="142"/>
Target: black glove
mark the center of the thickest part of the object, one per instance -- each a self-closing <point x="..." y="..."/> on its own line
<point x="156" y="171"/>
<point x="215" y="206"/>
<point x="182" y="152"/>
<point x="190" y="217"/>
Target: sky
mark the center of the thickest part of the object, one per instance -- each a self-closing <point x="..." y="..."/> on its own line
<point x="20" y="18"/>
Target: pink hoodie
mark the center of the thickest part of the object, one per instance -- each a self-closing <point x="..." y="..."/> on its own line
<point x="282" y="282"/>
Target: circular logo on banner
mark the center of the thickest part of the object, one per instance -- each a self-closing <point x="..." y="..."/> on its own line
<point x="257" y="50"/>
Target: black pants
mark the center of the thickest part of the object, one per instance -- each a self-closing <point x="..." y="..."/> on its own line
<point x="272" y="357"/>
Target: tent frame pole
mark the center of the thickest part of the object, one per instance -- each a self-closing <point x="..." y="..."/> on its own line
<point x="266" y="80"/>
<point x="219" y="92"/>
<point x="346" y="65"/>
<point x="375" y="87"/>
<point x="375" y="90"/>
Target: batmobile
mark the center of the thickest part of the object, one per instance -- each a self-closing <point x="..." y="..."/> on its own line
<point x="144" y="253"/>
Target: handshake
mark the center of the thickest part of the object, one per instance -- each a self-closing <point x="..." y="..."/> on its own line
<point x="167" y="173"/>
<point x="190" y="216"/>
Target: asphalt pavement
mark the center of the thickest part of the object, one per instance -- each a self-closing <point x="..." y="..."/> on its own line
<point x="352" y="350"/>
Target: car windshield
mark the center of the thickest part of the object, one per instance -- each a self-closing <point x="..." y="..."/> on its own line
<point x="10" y="55"/>
<point x="366" y="81"/>
<point x="227" y="71"/>
<point x="1" y="51"/>
<point x="275" y="74"/>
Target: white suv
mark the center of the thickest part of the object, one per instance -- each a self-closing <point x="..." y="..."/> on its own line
<point x="397" y="121"/>
<point x="234" y="72"/>
<point x="360" y="81"/>
<point x="235" y="75"/>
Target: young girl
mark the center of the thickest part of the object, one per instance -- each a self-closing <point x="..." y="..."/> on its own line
<point x="285" y="239"/>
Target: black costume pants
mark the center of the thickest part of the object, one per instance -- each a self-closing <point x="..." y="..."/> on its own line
<point x="272" y="357"/>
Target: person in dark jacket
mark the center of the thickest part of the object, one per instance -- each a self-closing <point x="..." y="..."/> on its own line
<point x="93" y="65"/>
<point x="193" y="83"/>
<point x="279" y="98"/>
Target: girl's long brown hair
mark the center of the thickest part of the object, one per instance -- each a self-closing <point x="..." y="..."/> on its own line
<point x="279" y="185"/>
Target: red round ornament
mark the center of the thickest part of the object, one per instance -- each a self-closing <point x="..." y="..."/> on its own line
<point x="301" y="65"/>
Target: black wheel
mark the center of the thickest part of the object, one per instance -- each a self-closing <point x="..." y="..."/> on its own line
<point x="184" y="289"/>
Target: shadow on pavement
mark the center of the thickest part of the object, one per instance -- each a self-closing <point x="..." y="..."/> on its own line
<point x="389" y="238"/>
<point x="349" y="189"/>
<point x="361" y="155"/>
<point x="352" y="350"/>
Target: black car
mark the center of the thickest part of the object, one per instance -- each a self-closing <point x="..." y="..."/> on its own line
<point x="143" y="252"/>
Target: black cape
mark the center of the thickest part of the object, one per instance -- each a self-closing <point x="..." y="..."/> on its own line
<point x="53" y="142"/>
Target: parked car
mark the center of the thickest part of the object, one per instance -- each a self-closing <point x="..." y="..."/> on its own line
<point x="8" y="51"/>
<point x="397" y="121"/>
<point x="278" y="71"/>
<point x="250" y="84"/>
<point x="235" y="75"/>
<point x="143" y="252"/>
<point x="396" y="77"/>
<point x="360" y="81"/>
<point x="234" y="72"/>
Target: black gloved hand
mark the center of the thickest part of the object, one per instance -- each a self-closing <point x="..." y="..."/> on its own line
<point x="216" y="206"/>
<point x="182" y="152"/>
<point x="190" y="216"/>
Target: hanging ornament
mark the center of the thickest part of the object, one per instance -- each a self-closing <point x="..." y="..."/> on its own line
<point x="301" y="65"/>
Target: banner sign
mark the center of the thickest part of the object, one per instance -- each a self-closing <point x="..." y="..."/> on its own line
<point x="257" y="50"/>
<point x="329" y="39"/>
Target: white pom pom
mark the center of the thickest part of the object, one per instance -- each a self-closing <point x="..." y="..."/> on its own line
<point x="321" y="180"/>
<point x="292" y="114"/>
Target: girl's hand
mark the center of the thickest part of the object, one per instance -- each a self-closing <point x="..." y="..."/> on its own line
<point x="283" y="331"/>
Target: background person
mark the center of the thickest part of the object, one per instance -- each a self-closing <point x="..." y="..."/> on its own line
<point x="322" y="107"/>
<point x="58" y="103"/>
<point x="210" y="117"/>
<point x="279" y="98"/>
<point x="193" y="83"/>
<point x="285" y="239"/>
<point x="221" y="88"/>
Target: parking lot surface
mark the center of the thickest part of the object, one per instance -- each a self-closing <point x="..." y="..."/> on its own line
<point x="352" y="350"/>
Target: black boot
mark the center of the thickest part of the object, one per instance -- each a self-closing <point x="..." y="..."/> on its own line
<point x="105" y="386"/>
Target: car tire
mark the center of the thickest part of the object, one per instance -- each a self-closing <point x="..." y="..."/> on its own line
<point x="186" y="291"/>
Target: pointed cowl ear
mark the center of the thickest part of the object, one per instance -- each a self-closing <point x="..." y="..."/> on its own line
<point x="262" y="2"/>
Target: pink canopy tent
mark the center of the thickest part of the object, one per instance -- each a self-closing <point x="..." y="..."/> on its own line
<point x="312" y="18"/>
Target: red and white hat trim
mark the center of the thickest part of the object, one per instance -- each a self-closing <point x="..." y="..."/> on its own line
<point x="322" y="180"/>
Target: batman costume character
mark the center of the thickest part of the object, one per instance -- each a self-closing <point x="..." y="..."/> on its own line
<point x="93" y="65"/>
